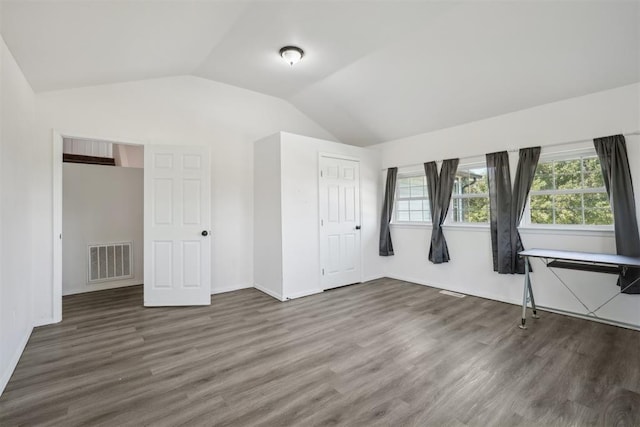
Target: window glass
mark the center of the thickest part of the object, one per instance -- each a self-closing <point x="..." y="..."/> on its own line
<point x="569" y="192"/>
<point x="412" y="201"/>
<point x="470" y="198"/>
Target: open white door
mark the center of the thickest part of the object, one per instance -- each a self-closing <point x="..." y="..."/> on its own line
<point x="339" y="221"/>
<point x="177" y="236"/>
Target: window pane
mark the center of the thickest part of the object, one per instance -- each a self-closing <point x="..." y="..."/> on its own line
<point x="569" y="216"/>
<point x="474" y="209"/>
<point x="415" y="215"/>
<point x="598" y="216"/>
<point x="402" y="216"/>
<point x="418" y="191"/>
<point x="541" y="209"/>
<point x="417" y="180"/>
<point x="543" y="179"/>
<point x="568" y="201"/>
<point x="568" y="174"/>
<point x="404" y="182"/>
<point x="404" y="192"/>
<point x="403" y="205"/>
<point x="596" y="200"/>
<point x="415" y="205"/>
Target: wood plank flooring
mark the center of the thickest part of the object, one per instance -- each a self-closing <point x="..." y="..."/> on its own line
<point x="381" y="353"/>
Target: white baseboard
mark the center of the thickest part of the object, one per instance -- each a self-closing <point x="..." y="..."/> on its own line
<point x="101" y="286"/>
<point x="229" y="289"/>
<point x="6" y="375"/>
<point x="44" y="322"/>
<point x="516" y="302"/>
<point x="269" y="292"/>
<point x="374" y="277"/>
<point x="304" y="294"/>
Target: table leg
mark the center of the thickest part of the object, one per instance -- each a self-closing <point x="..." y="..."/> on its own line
<point x="533" y="301"/>
<point x="522" y="325"/>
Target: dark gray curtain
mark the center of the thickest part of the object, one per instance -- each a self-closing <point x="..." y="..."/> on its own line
<point x="612" y="152"/>
<point x="440" y="189"/>
<point x="385" y="244"/>
<point x="507" y="206"/>
<point x="527" y="164"/>
<point x="499" y="177"/>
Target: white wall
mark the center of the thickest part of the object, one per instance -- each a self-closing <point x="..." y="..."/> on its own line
<point x="101" y="204"/>
<point x="470" y="270"/>
<point x="300" y="210"/>
<point x="267" y="214"/>
<point x="177" y="110"/>
<point x="17" y="212"/>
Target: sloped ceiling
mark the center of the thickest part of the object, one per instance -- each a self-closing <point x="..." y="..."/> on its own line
<point x="374" y="71"/>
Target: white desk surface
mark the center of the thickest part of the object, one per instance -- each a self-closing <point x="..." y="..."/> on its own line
<point x="585" y="257"/>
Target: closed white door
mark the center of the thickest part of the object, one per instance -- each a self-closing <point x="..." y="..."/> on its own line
<point x="339" y="222"/>
<point x="177" y="236"/>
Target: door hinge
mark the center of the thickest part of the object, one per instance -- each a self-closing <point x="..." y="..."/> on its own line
<point x="323" y="271"/>
<point x="322" y="222"/>
<point x="320" y="174"/>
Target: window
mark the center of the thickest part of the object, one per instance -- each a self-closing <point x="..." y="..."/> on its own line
<point x="412" y="200"/>
<point x="570" y="191"/>
<point x="470" y="198"/>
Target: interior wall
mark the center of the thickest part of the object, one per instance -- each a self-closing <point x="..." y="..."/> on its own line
<point x="300" y="210"/>
<point x="176" y="111"/>
<point x="470" y="269"/>
<point x="17" y="212"/>
<point x="101" y="204"/>
<point x="267" y="213"/>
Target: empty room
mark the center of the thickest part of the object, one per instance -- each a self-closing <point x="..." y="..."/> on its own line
<point x="300" y="213"/>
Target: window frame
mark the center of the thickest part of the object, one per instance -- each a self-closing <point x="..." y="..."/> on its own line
<point x="404" y="175"/>
<point x="568" y="155"/>
<point x="478" y="164"/>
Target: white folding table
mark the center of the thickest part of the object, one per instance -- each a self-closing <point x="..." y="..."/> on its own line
<point x="574" y="260"/>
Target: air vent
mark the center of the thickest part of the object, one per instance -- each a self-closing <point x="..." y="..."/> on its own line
<point x="110" y="261"/>
<point x="452" y="294"/>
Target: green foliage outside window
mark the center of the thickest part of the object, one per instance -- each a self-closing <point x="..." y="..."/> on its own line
<point x="470" y="198"/>
<point x="570" y="192"/>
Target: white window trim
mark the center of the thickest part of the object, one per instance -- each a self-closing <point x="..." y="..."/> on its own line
<point x="574" y="154"/>
<point x="396" y="199"/>
<point x="449" y="222"/>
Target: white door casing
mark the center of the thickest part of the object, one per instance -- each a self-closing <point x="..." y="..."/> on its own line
<point x="339" y="201"/>
<point x="177" y="236"/>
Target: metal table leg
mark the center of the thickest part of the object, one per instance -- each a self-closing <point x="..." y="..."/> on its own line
<point x="522" y="325"/>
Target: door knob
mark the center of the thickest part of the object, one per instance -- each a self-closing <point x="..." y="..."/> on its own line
<point x="357" y="227"/>
<point x="205" y="233"/>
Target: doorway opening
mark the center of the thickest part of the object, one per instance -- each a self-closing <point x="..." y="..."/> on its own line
<point x="102" y="215"/>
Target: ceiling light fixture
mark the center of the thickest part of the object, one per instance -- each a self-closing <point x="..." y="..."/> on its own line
<point x="291" y="54"/>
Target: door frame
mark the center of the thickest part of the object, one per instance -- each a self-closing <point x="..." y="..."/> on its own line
<point x="57" y="139"/>
<point x="322" y="154"/>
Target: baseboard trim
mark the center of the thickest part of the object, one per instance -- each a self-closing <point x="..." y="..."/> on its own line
<point x="102" y="287"/>
<point x="269" y="292"/>
<point x="6" y="376"/>
<point x="370" y="278"/>
<point x="304" y="294"/>
<point x="611" y="322"/>
<point x="229" y="289"/>
<point x="44" y="322"/>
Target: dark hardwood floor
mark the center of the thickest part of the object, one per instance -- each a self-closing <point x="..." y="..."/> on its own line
<point x="380" y="353"/>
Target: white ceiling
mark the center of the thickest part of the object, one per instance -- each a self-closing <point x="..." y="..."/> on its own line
<point x="373" y="71"/>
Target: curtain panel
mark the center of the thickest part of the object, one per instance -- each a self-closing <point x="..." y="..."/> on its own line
<point x="439" y="189"/>
<point x="385" y="243"/>
<point x="506" y="206"/>
<point x="612" y="152"/>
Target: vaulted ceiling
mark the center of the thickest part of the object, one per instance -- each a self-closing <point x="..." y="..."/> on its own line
<point x="373" y="71"/>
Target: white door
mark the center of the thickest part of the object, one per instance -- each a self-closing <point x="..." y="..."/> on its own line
<point x="339" y="221"/>
<point x="177" y="236"/>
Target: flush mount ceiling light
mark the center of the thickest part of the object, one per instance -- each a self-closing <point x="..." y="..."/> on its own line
<point x="291" y="54"/>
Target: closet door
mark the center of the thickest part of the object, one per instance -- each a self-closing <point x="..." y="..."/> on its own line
<point x="340" y="252"/>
